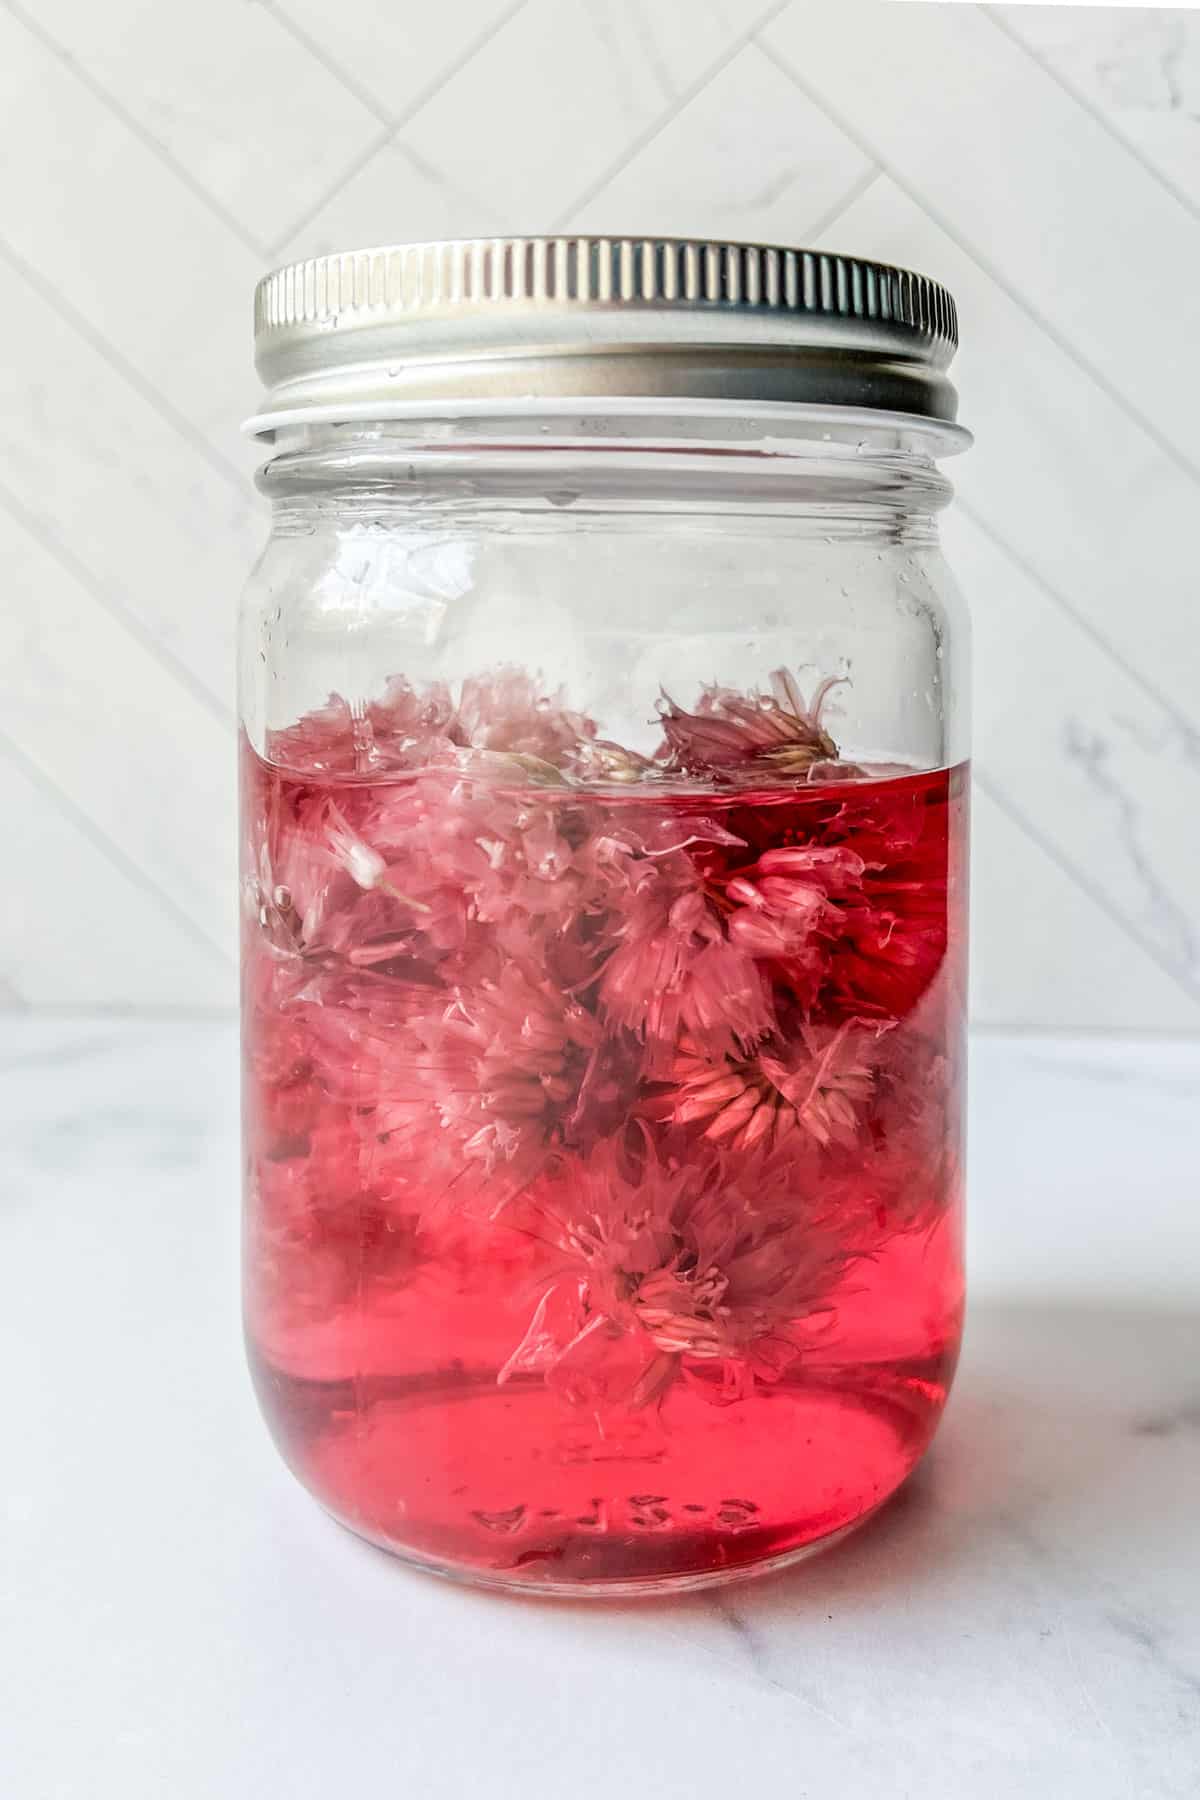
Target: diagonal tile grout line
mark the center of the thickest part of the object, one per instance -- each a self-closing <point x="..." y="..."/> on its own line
<point x="368" y="152"/>
<point x="104" y="844"/>
<point x="678" y="105"/>
<point x="1000" y="798"/>
<point x="334" y="69"/>
<point x="52" y="298"/>
<point x="278" y="11"/>
<point x="833" y="213"/>
<point x="52" y="544"/>
<point x="392" y="125"/>
<point x="1095" y="112"/>
<point x="1186" y="726"/>
<point x="480" y="42"/>
<point x="180" y="171"/>
<point x="1152" y="431"/>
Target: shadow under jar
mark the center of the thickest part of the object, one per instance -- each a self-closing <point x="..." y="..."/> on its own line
<point x="604" y="875"/>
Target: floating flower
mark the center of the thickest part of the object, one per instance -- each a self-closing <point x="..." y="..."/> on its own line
<point x="507" y="711"/>
<point x="600" y="760"/>
<point x="402" y="729"/>
<point x="730" y="731"/>
<point x="504" y="712"/>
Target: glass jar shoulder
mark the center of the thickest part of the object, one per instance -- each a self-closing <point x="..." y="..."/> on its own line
<point x="614" y="605"/>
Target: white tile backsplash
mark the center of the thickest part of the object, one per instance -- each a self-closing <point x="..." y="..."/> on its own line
<point x="103" y="220"/>
<point x="241" y="109"/>
<point x="1045" y="162"/>
<point x="165" y="535"/>
<point x="1026" y="179"/>
<point x="1137" y="67"/>
<point x="391" y="50"/>
<point x="558" y="97"/>
<point x="1063" y="958"/>
<point x="84" y="927"/>
<point x="1060" y="471"/>
<point x="102" y="718"/>
<point x="749" y="157"/>
<point x="1079" y="749"/>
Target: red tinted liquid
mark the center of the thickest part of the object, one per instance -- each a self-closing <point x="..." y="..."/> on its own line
<point x="603" y="1159"/>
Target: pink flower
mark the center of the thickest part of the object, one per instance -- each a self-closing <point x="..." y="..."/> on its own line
<point x="485" y="981"/>
<point x="674" y="969"/>
<point x="782" y="901"/>
<point x="897" y="1175"/>
<point x="426" y="872"/>
<point x="503" y="712"/>
<point x="507" y="711"/>
<point x="893" y="932"/>
<point x="672" y="966"/>
<point x="782" y="911"/>
<point x="513" y="1069"/>
<point x="697" y="1271"/>
<point x="400" y="730"/>
<point x="815" y="1084"/>
<point x="730" y="731"/>
<point x="323" y="1220"/>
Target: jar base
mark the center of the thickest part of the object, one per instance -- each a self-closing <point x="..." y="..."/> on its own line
<point x="644" y="1587"/>
<point x="506" y="1488"/>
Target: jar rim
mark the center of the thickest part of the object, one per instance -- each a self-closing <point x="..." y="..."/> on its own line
<point x="936" y="437"/>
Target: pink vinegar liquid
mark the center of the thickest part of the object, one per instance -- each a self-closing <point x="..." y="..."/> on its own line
<point x="395" y="1265"/>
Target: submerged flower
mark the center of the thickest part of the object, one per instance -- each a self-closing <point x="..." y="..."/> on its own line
<point x="650" y="1028"/>
<point x="320" y="1234"/>
<point x="782" y="900"/>
<point x="782" y="910"/>
<point x="694" y="1269"/>
<point x="526" y="1041"/>
<point x="675" y="969"/>
<point x="731" y="731"/>
<point x="515" y="1068"/>
<point x="670" y="963"/>
<point x="814" y="1084"/>
<point x="893" y="933"/>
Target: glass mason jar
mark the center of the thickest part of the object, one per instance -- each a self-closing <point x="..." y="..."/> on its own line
<point x="604" y="880"/>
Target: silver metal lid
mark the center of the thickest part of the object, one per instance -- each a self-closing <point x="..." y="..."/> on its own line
<point x="484" y="323"/>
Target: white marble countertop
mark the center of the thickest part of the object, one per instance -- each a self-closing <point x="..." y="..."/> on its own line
<point x="181" y="1623"/>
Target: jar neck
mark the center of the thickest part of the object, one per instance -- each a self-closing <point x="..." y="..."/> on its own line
<point x="826" y="468"/>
